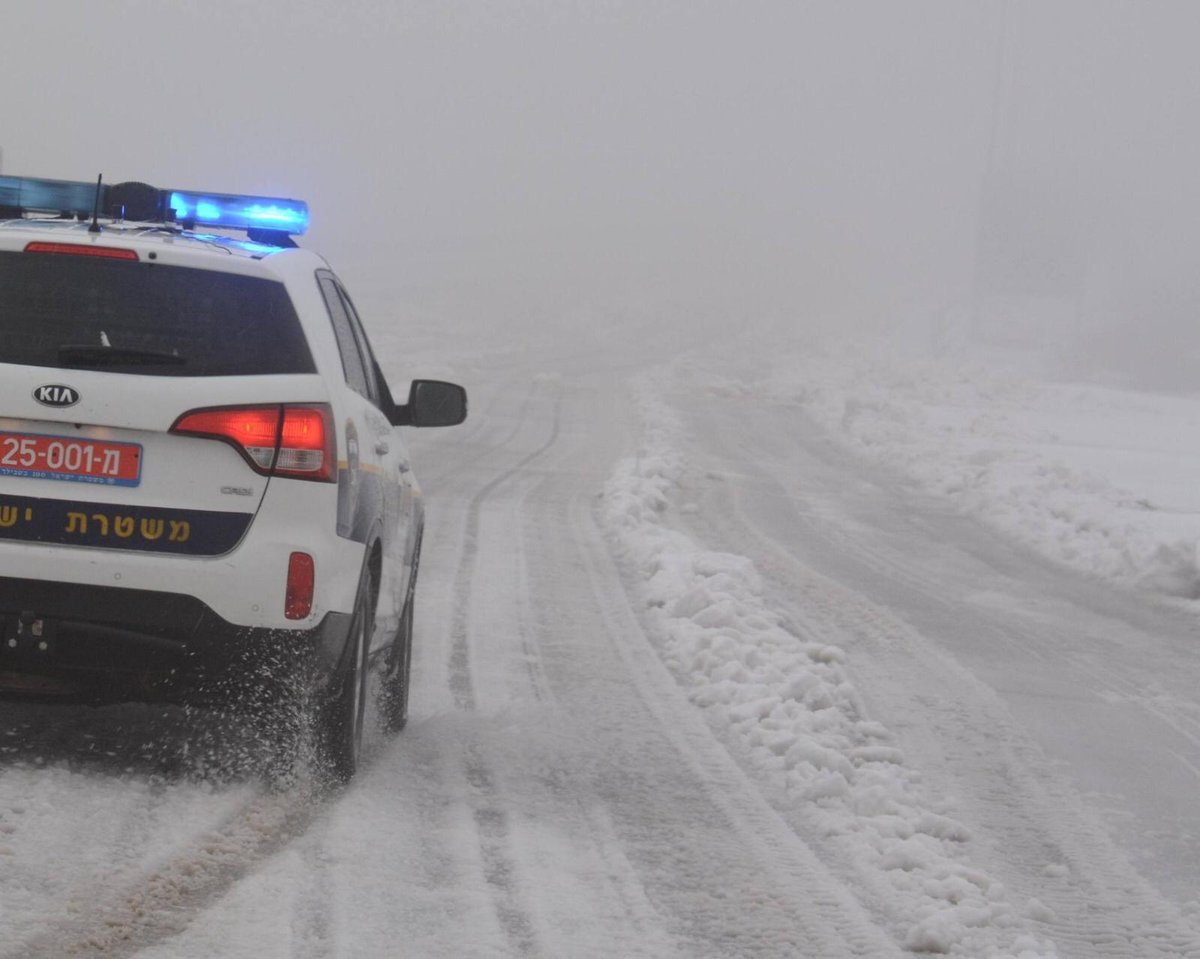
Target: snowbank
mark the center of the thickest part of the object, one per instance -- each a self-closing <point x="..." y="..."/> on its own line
<point x="1105" y="481"/>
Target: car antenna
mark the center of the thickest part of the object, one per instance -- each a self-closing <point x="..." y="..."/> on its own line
<point x="95" y="227"/>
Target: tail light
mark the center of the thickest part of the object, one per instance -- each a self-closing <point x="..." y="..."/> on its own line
<point x="295" y="441"/>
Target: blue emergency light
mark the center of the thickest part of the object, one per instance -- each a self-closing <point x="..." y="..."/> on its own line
<point x="240" y="212"/>
<point x="136" y="201"/>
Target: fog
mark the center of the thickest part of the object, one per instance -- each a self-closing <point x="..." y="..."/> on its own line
<point x="1020" y="174"/>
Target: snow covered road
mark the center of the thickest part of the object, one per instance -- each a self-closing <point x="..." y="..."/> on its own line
<point x="691" y="680"/>
<point x="1058" y="713"/>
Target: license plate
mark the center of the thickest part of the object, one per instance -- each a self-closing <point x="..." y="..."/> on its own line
<point x="64" y="458"/>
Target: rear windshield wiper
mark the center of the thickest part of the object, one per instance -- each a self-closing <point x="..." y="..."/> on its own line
<point x="115" y="356"/>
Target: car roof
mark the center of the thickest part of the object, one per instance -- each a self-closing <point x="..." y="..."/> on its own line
<point x="167" y="244"/>
<point x="74" y="231"/>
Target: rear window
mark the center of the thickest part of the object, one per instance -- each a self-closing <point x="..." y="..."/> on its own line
<point x="143" y="317"/>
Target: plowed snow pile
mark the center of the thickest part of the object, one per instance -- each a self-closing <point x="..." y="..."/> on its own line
<point x="1106" y="481"/>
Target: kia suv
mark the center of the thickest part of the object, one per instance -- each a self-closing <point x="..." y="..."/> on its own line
<point x="205" y="493"/>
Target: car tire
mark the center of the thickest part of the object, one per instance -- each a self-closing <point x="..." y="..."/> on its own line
<point x="340" y="719"/>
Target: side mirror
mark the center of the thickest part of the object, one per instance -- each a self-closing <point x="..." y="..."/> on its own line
<point x="432" y="403"/>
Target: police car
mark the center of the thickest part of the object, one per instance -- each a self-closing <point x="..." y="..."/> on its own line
<point x="204" y="490"/>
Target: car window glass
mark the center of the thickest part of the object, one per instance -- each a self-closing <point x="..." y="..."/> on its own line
<point x="364" y="346"/>
<point x="352" y="361"/>
<point x="198" y="322"/>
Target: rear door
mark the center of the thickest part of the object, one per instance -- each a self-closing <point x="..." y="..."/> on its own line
<point x="100" y="356"/>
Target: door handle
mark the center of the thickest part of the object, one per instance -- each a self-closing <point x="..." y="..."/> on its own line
<point x="381" y="448"/>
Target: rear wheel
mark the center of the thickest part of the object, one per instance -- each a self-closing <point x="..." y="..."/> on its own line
<point x="339" y="727"/>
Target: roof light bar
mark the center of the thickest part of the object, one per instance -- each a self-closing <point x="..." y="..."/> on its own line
<point x="48" y="196"/>
<point x="240" y="212"/>
<point x="270" y="215"/>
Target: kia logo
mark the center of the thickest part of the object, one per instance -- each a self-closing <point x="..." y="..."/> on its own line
<point x="55" y="395"/>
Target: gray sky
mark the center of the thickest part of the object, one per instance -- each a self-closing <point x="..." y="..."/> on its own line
<point x="806" y="158"/>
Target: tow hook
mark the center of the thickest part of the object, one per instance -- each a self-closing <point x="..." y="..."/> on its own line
<point x="29" y="633"/>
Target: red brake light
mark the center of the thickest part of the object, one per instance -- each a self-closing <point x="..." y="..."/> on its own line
<point x="301" y="446"/>
<point x="254" y="430"/>
<point x="82" y="249"/>
<point x="306" y="443"/>
<point x="301" y="580"/>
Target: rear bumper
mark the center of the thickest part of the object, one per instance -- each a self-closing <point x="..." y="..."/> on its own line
<point x="245" y="586"/>
<point x="67" y="641"/>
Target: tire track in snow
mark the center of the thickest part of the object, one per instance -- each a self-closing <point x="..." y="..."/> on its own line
<point x="460" y="667"/>
<point x="312" y="910"/>
<point x="562" y="842"/>
<point x="491" y="822"/>
<point x="102" y="797"/>
<point x="490" y="816"/>
<point x="157" y="906"/>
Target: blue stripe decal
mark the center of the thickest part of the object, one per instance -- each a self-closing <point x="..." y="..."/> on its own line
<point x="143" y="528"/>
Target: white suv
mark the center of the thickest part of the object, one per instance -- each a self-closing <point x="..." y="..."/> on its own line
<point x="204" y="494"/>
